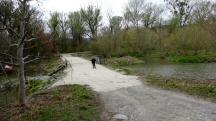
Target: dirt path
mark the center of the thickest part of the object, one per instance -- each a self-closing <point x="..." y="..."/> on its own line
<point x="136" y="101"/>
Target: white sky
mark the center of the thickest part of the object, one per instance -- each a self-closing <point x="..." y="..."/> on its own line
<point x="115" y="7"/>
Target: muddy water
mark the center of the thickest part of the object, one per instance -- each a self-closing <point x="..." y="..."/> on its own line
<point x="179" y="71"/>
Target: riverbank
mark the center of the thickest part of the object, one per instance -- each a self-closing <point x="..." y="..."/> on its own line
<point x="200" y="88"/>
<point x="37" y="79"/>
<point x="126" y="97"/>
<point x="196" y="58"/>
<point x="192" y="79"/>
<point x="68" y="103"/>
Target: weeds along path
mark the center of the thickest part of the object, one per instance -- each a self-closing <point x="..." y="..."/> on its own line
<point x="132" y="99"/>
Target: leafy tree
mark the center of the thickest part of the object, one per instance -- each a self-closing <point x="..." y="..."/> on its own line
<point x="204" y="11"/>
<point x="151" y="15"/>
<point x="133" y="12"/>
<point x="92" y="18"/>
<point x="115" y="24"/>
<point x="181" y="9"/>
<point x="77" y="27"/>
<point x="64" y="27"/>
<point x="54" y="25"/>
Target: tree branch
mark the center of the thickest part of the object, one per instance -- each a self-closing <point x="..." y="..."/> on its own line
<point x="32" y="39"/>
<point x="13" y="45"/>
<point x="30" y="61"/>
<point x="9" y="29"/>
<point x="14" y="64"/>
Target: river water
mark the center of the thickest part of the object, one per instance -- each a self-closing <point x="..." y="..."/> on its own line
<point x="178" y="71"/>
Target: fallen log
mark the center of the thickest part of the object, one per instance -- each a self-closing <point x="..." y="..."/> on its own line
<point x="61" y="67"/>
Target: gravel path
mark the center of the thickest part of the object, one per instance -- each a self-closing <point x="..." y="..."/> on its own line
<point x="128" y="98"/>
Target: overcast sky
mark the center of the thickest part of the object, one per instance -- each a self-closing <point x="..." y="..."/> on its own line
<point x="115" y="7"/>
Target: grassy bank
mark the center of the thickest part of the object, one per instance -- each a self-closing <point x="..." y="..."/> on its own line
<point x="10" y="95"/>
<point x="122" y="61"/>
<point x="204" y="89"/>
<point x="38" y="68"/>
<point x="43" y="66"/>
<point x="199" y="58"/>
<point x="65" y="103"/>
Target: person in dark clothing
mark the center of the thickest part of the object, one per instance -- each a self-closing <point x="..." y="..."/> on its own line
<point x="94" y="62"/>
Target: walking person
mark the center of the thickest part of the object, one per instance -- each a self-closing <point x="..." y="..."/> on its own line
<point x="94" y="63"/>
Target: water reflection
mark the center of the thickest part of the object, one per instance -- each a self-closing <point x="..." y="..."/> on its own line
<point x="179" y="71"/>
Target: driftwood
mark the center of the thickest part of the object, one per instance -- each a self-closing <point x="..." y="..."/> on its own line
<point x="61" y="67"/>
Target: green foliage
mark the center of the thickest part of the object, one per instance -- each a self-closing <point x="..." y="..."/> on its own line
<point x="127" y="43"/>
<point x="92" y="18"/>
<point x="123" y="61"/>
<point x="36" y="85"/>
<point x="54" y="23"/>
<point x="201" y="58"/>
<point x="201" y="89"/>
<point x="64" y="103"/>
<point x="192" y="38"/>
<point x="76" y="23"/>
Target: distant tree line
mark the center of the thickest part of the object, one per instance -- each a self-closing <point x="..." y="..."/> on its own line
<point x="190" y="28"/>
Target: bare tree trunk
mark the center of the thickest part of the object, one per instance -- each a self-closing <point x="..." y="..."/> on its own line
<point x="21" y="70"/>
<point x="21" y="76"/>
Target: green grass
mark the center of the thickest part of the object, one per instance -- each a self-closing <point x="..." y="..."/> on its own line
<point x="200" y="58"/>
<point x="120" y="63"/>
<point x="123" y="61"/>
<point x="43" y="67"/>
<point x="65" y="103"/>
<point x="36" y="85"/>
<point x="11" y="95"/>
<point x="203" y="89"/>
<point x="8" y="97"/>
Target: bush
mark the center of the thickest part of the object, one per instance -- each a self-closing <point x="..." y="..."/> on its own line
<point x="202" y="58"/>
<point x="123" y="61"/>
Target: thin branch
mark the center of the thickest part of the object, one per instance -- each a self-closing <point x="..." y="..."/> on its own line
<point x="32" y="39"/>
<point x="3" y="29"/>
<point x="4" y="54"/>
<point x="30" y="47"/>
<point x="11" y="56"/>
<point x="28" y="56"/>
<point x="30" y="61"/>
<point x="9" y="29"/>
<point x="14" y="64"/>
<point x="13" y="45"/>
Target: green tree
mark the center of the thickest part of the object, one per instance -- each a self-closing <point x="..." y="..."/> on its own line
<point x="151" y="14"/>
<point x="115" y="24"/>
<point x="54" y="25"/>
<point x="133" y="12"/>
<point x="204" y="11"/>
<point x="181" y="9"/>
<point x="77" y="26"/>
<point x="64" y="27"/>
<point x="92" y="18"/>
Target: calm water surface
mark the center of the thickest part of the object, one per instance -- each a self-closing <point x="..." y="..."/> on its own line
<point x="179" y="71"/>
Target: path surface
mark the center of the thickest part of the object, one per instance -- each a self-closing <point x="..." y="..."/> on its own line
<point x="138" y="102"/>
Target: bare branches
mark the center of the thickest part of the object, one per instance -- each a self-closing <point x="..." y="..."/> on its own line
<point x="30" y="40"/>
<point x="13" y="64"/>
<point x="13" y="45"/>
<point x="181" y="9"/>
<point x="10" y="30"/>
<point x="30" y="61"/>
